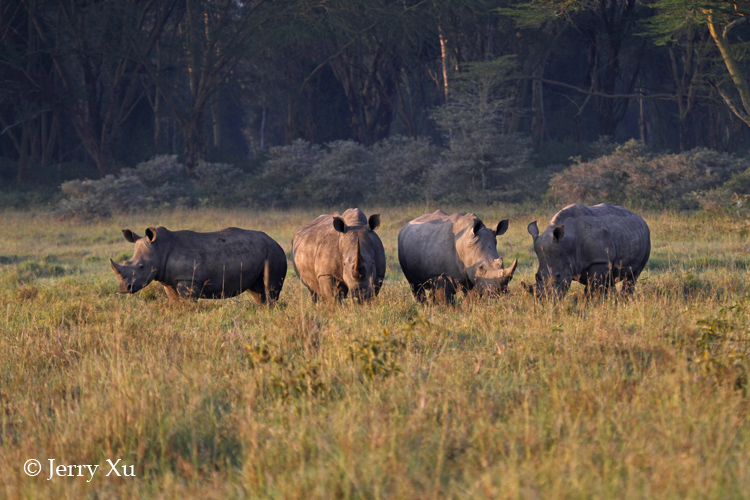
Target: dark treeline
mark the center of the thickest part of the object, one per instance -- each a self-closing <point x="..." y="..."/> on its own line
<point x="92" y="86"/>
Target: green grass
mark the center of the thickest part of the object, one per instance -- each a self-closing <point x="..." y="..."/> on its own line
<point x="493" y="398"/>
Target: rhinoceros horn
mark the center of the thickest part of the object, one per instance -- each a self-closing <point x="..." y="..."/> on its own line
<point x="116" y="268"/>
<point x="512" y="268"/>
<point x="357" y="261"/>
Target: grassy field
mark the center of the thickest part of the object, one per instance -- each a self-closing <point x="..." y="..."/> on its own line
<point x="493" y="398"/>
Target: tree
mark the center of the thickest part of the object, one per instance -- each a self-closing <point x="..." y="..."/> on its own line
<point x="29" y="108"/>
<point x="213" y="36"/>
<point x="608" y="27"/>
<point x="96" y="51"/>
<point x="479" y="154"/>
<point x="723" y="21"/>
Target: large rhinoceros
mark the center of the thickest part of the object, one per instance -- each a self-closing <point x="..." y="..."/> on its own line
<point x="336" y="255"/>
<point x="451" y="252"/>
<point x="595" y="246"/>
<point x="210" y="265"/>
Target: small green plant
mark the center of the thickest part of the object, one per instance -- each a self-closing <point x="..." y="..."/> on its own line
<point x="742" y="204"/>
<point x="292" y="382"/>
<point x="286" y="379"/>
<point x="375" y="355"/>
<point x="722" y="347"/>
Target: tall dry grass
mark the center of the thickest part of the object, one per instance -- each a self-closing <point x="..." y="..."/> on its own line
<point x="500" y="398"/>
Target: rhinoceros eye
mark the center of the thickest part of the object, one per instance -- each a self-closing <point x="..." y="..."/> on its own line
<point x="140" y="266"/>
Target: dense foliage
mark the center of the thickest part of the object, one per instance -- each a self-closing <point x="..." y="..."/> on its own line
<point x="90" y="88"/>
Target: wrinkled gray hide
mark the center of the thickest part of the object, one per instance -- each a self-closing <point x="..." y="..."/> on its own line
<point x="336" y="255"/>
<point x="446" y="253"/>
<point x="595" y="246"/>
<point x="209" y="265"/>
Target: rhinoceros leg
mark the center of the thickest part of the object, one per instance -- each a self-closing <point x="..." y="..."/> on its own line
<point x="188" y="290"/>
<point x="599" y="280"/>
<point x="260" y="297"/>
<point x="419" y="291"/>
<point x="628" y="282"/>
<point x="328" y="288"/>
<point x="171" y="293"/>
<point x="445" y="289"/>
<point x="258" y="291"/>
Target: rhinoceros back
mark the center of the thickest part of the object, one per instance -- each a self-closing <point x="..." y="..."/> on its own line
<point x="221" y="263"/>
<point x="427" y="246"/>
<point x="606" y="232"/>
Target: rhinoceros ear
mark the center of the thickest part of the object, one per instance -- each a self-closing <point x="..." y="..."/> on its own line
<point x="374" y="222"/>
<point x="130" y="235"/>
<point x="478" y="225"/>
<point x="501" y="227"/>
<point x="533" y="230"/>
<point x="559" y="232"/>
<point x="151" y="234"/>
<point x="339" y="224"/>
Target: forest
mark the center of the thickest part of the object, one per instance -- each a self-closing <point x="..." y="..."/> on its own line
<point x="93" y="87"/>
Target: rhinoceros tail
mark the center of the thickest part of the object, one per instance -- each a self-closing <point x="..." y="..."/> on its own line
<point x="267" y="280"/>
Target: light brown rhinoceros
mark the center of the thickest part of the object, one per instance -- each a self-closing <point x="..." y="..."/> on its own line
<point x="210" y="265"/>
<point x="595" y="246"/>
<point x="451" y="252"/>
<point x="336" y="255"/>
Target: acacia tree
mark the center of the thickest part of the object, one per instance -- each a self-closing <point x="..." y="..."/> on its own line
<point x="479" y="154"/>
<point x="720" y="30"/>
<point x="29" y="109"/>
<point x="689" y="47"/>
<point x="609" y="28"/>
<point x="96" y="51"/>
<point x="211" y="37"/>
<point x="370" y="46"/>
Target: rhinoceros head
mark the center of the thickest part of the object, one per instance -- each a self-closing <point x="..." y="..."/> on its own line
<point x="141" y="269"/>
<point x="358" y="256"/>
<point x="555" y="272"/>
<point x="477" y="248"/>
<point x="492" y="279"/>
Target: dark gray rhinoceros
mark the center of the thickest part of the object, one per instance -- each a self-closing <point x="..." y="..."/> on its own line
<point x="595" y="246"/>
<point x="336" y="255"/>
<point x="450" y="252"/>
<point x="209" y="265"/>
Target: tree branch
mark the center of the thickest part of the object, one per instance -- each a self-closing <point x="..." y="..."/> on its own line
<point x="653" y="97"/>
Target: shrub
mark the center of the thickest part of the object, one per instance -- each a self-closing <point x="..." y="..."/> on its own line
<point x="220" y="184"/>
<point x="344" y="175"/>
<point x="284" y="179"/>
<point x="161" y="181"/>
<point x="402" y="165"/>
<point x="633" y="175"/>
<point x="166" y="181"/>
<point x="94" y="199"/>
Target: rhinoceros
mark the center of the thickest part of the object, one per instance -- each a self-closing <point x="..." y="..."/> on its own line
<point x="595" y="246"/>
<point x="336" y="255"/>
<point x="209" y="265"/>
<point x="451" y="252"/>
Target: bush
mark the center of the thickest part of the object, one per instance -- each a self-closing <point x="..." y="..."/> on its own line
<point x="220" y="184"/>
<point x="633" y="175"/>
<point x="403" y="165"/>
<point x="166" y="181"/>
<point x="87" y="199"/>
<point x="161" y="181"/>
<point x="344" y="175"/>
<point x="284" y="179"/>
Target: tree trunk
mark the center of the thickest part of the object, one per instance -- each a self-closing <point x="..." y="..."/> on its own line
<point x="194" y="141"/>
